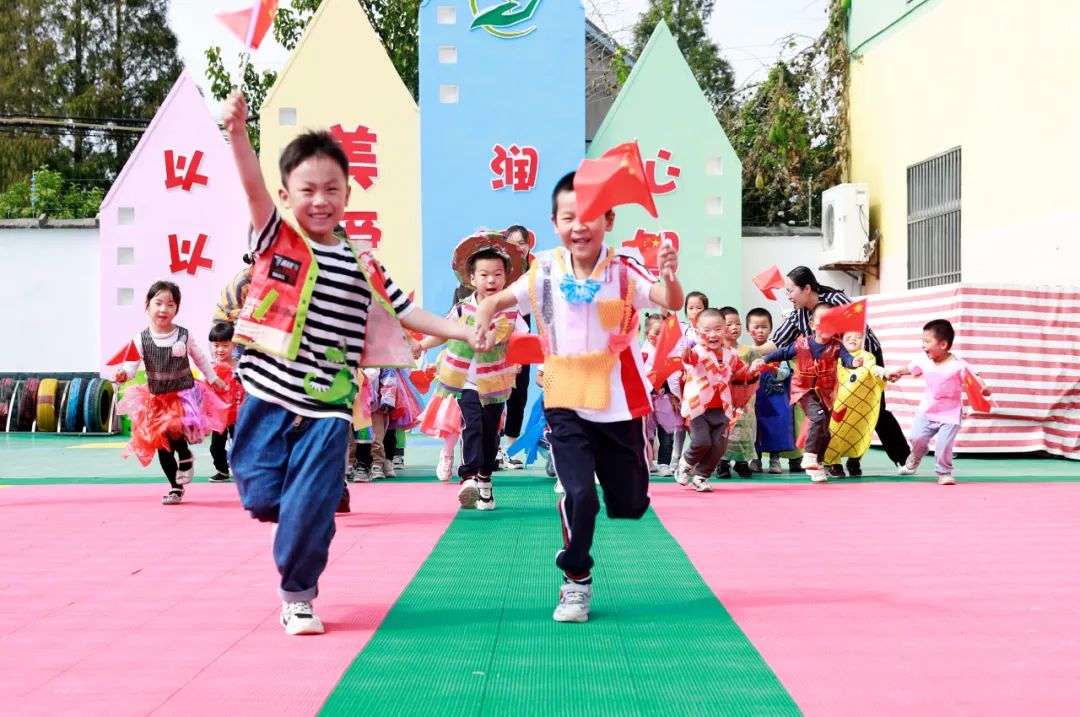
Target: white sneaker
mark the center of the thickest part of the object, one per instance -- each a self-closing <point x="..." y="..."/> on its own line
<point x="388" y="469"/>
<point x="810" y="462"/>
<point x="468" y="493"/>
<point x="946" y="479"/>
<point x="574" y="602"/>
<point x="398" y="463"/>
<point x="361" y="474"/>
<point x="818" y="475"/>
<point x="664" y="471"/>
<point x="908" y="469"/>
<point x="376" y="472"/>
<point x="445" y="468"/>
<point x="502" y="461"/>
<point x="558" y="487"/>
<point x="299" y="619"/>
<point x="173" y="497"/>
<point x="701" y="485"/>
<point x="682" y="476"/>
<point x="183" y="477"/>
<point x="486" y="500"/>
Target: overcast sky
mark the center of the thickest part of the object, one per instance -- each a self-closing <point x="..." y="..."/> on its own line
<point x="746" y="30"/>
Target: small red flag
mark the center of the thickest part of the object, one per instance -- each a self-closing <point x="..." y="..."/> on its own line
<point x="251" y="25"/>
<point x="974" y="388"/>
<point x="768" y="280"/>
<point x="842" y="319"/>
<point x="666" y="363"/>
<point x="617" y="177"/>
<point x="423" y="379"/>
<point x="125" y="355"/>
<point x="524" y="349"/>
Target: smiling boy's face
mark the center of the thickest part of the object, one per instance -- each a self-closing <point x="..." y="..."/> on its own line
<point x="712" y="330"/>
<point x="582" y="240"/>
<point x="317" y="192"/>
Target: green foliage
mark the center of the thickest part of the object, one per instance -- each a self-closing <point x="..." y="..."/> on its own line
<point x="395" y="22"/>
<point x="688" y="21"/>
<point x="57" y="198"/>
<point x="93" y="59"/>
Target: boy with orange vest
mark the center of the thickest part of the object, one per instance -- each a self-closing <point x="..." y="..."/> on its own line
<point x="813" y="385"/>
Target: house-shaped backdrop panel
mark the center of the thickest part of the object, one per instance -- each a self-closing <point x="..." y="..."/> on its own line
<point x="696" y="176"/>
<point x="177" y="211"/>
<point x="339" y="77"/>
<point x="502" y="97"/>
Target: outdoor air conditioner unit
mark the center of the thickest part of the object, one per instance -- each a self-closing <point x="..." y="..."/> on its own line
<point x="845" y="223"/>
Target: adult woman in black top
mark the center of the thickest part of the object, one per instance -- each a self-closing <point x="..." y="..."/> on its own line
<point x="805" y="293"/>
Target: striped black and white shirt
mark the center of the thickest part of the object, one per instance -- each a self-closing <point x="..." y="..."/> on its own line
<point x="797" y="323"/>
<point x="338" y="312"/>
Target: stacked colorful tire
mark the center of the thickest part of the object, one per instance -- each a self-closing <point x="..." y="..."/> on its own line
<point x="28" y="405"/>
<point x="97" y="404"/>
<point x="73" y="406"/>
<point x="7" y="386"/>
<point x="47" y="395"/>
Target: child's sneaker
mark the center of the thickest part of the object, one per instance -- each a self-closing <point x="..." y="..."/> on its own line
<point x="445" y="469"/>
<point x="377" y="472"/>
<point x="664" y="471"/>
<point x="398" y="462"/>
<point x="724" y="471"/>
<point x="361" y="474"/>
<point x="299" y="619"/>
<point x="854" y="467"/>
<point x="908" y="469"/>
<point x="810" y="462"/>
<point x="220" y="477"/>
<point x="185" y="475"/>
<point x="515" y="464"/>
<point x="774" y="466"/>
<point x="559" y="490"/>
<point x="683" y="475"/>
<point x="502" y="461"/>
<point x="468" y="493"/>
<point x="486" y="499"/>
<point x="817" y="475"/>
<point x="743" y="469"/>
<point x="946" y="479"/>
<point x="574" y="602"/>
<point x="836" y="471"/>
<point x="388" y="469"/>
<point x="755" y="466"/>
<point x="173" y="497"/>
<point x="701" y="484"/>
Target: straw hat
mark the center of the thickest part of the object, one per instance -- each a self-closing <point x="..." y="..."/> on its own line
<point x="487" y="240"/>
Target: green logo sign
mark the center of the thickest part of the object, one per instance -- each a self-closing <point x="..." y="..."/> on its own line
<point x="498" y="19"/>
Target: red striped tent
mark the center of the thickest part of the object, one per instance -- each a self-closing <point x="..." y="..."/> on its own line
<point x="1024" y="341"/>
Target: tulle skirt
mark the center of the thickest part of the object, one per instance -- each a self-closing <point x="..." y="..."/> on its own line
<point x="407" y="411"/>
<point x="441" y="417"/>
<point x="191" y="414"/>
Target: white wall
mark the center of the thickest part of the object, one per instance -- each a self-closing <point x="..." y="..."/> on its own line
<point x="786" y="252"/>
<point x="49" y="300"/>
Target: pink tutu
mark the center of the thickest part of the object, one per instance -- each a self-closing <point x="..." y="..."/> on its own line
<point x="191" y="414"/>
<point x="441" y="418"/>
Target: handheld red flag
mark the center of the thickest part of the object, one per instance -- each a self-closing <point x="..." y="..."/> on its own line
<point x="617" y="177"/>
<point x="251" y="25"/>
<point x="422" y="379"/>
<point x="768" y="280"/>
<point x="524" y="349"/>
<point x="125" y="355"/>
<point x="847" y="317"/>
<point x="974" y="388"/>
<point x="666" y="362"/>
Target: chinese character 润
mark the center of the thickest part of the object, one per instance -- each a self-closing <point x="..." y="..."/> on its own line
<point x="174" y="165"/>
<point x="359" y="147"/>
<point x="673" y="172"/>
<point x="184" y="258"/>
<point x="515" y="167"/>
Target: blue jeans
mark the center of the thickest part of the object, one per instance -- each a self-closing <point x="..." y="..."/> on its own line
<point x="922" y="430"/>
<point x="290" y="471"/>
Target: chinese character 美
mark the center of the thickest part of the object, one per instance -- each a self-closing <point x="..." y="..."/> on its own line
<point x="359" y="147"/>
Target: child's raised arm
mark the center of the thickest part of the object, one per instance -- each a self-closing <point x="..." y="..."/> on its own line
<point x="260" y="204"/>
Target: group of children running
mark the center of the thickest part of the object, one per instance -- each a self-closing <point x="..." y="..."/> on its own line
<point x="323" y="329"/>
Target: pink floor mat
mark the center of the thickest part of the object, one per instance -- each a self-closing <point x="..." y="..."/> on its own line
<point x="117" y="605"/>
<point x="898" y="599"/>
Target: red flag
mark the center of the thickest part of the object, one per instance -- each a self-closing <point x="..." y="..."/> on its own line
<point x="524" y="349"/>
<point x="842" y="319"/>
<point x="423" y="379"/>
<point x="665" y="363"/>
<point x="251" y="25"/>
<point x="768" y="280"/>
<point x="974" y="388"/>
<point x="617" y="177"/>
<point x="124" y="355"/>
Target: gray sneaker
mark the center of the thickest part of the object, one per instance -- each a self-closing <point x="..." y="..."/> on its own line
<point x="361" y="474"/>
<point x="377" y="472"/>
<point x="574" y="602"/>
